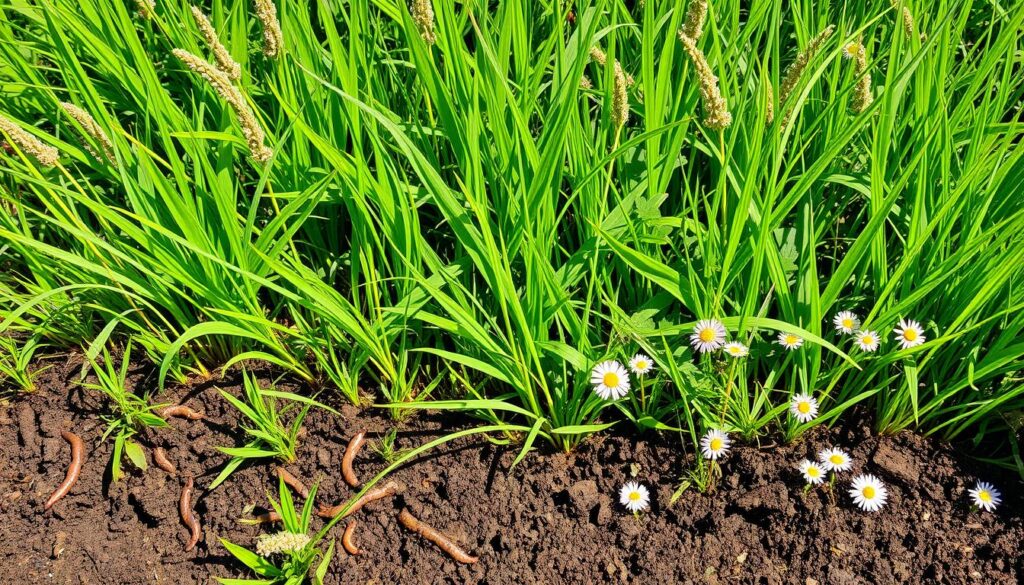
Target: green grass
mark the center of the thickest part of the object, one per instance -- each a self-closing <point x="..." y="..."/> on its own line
<point x="464" y="221"/>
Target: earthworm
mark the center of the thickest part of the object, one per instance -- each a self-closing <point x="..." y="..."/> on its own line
<point x="389" y="489"/>
<point x="292" y="482"/>
<point x="443" y="542"/>
<point x="346" y="539"/>
<point x="161" y="460"/>
<point x="268" y="517"/>
<point x="187" y="516"/>
<point x="350" y="455"/>
<point x="77" y="456"/>
<point x="181" y="411"/>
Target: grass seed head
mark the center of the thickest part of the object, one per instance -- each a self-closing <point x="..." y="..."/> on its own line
<point x="44" y="154"/>
<point x="92" y="128"/>
<point x="224" y="61"/>
<point x="147" y="8"/>
<point x="423" y="15"/>
<point x="796" y="68"/>
<point x="696" y="14"/>
<point x="220" y="82"/>
<point x="908" y="23"/>
<point x="716" y="111"/>
<point x="273" y="40"/>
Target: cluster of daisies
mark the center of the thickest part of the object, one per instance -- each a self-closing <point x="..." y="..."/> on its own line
<point x="611" y="382"/>
<point x="710" y="335"/>
<point x="867" y="491"/>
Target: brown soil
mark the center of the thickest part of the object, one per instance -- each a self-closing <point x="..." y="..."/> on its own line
<point x="553" y="519"/>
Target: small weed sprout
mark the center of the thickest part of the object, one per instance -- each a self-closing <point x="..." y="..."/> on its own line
<point x="129" y="413"/>
<point x="16" y="358"/>
<point x="288" y="556"/>
<point x="269" y="435"/>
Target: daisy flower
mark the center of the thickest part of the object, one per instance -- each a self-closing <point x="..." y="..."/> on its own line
<point x="909" y="333"/>
<point x="804" y="407"/>
<point x="985" y="496"/>
<point x="715" y="444"/>
<point x="708" y="335"/>
<point x="868" y="492"/>
<point x="634" y="497"/>
<point x="641" y="364"/>
<point x="846" y="322"/>
<point x="852" y="50"/>
<point x="835" y="460"/>
<point x="610" y="380"/>
<point x="789" y="341"/>
<point x="867" y="340"/>
<point x="736" y="349"/>
<point x="813" y="472"/>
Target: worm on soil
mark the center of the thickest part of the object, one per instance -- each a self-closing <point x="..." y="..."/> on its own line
<point x="187" y="516"/>
<point x="292" y="482"/>
<point x="350" y="456"/>
<point x="161" y="460"/>
<point x="346" y="539"/>
<point x="77" y="456"/>
<point x="181" y="411"/>
<point x="443" y="542"/>
<point x="389" y="489"/>
<point x="264" y="518"/>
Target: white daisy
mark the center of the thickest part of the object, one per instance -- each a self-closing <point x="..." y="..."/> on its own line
<point x="708" y="335"/>
<point x="641" y="364"/>
<point x="789" y="341"/>
<point x="813" y="473"/>
<point x="985" y="496"/>
<point x="909" y="333"/>
<point x="736" y="349"/>
<point x="852" y="49"/>
<point x="634" y="497"/>
<point x="804" y="407"/>
<point x="610" y="380"/>
<point x="846" y="322"/>
<point x="835" y="459"/>
<point x="867" y="340"/>
<point x="715" y="444"/>
<point x="868" y="492"/>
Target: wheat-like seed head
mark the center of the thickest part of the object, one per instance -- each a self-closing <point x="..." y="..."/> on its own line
<point x="862" y="97"/>
<point x="273" y="40"/>
<point x="716" y="111"/>
<point x="796" y="68"/>
<point x="221" y="84"/>
<point x="147" y="8"/>
<point x="423" y="15"/>
<point x="696" y="14"/>
<point x="224" y="61"/>
<point x="92" y="128"/>
<point x="44" y="154"/>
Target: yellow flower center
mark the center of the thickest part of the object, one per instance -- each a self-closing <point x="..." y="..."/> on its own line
<point x="611" y="379"/>
<point x="848" y="323"/>
<point x="634" y="496"/>
<point x="803" y="407"/>
<point x="909" y="334"/>
<point x="735" y="350"/>
<point x="715" y="444"/>
<point x="836" y="459"/>
<point x="813" y="472"/>
<point x="867" y="340"/>
<point x="984" y="496"/>
<point x="707" y="334"/>
<point x="868" y="491"/>
<point x="641" y="365"/>
<point x="792" y="339"/>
